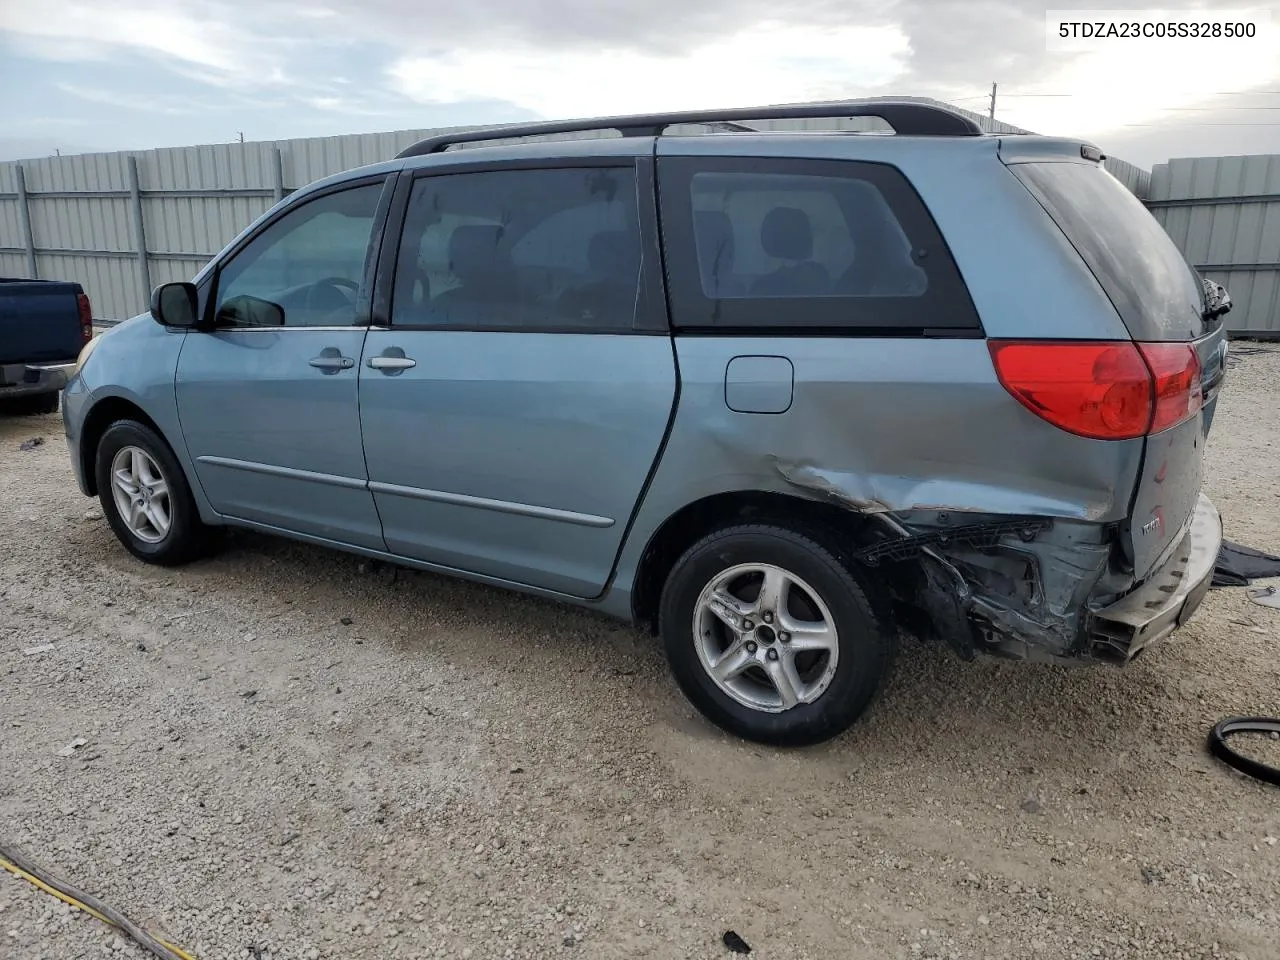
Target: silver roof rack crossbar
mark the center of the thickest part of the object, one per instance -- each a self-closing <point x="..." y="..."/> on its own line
<point x="906" y="117"/>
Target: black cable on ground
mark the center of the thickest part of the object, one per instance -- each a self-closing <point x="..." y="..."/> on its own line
<point x="1233" y="725"/>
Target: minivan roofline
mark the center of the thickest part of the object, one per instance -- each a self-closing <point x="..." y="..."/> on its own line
<point x="906" y="117"/>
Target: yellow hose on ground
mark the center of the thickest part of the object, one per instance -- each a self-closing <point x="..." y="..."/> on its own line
<point x="67" y="894"/>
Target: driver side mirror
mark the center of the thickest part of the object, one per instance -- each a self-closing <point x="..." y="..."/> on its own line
<point x="175" y="305"/>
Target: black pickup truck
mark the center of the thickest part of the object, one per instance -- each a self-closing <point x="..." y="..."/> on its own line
<point x="43" y="326"/>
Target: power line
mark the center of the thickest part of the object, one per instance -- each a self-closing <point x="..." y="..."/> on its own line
<point x="1220" y="93"/>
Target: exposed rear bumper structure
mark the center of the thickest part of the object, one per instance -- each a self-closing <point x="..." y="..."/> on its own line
<point x="1169" y="596"/>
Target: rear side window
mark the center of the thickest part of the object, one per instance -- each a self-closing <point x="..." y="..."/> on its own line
<point x="1147" y="278"/>
<point x="525" y="249"/>
<point x="804" y="243"/>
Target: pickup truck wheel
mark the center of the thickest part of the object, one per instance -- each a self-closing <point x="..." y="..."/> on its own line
<point x="44" y="403"/>
<point x="772" y="637"/>
<point x="37" y="405"/>
<point x="145" y="496"/>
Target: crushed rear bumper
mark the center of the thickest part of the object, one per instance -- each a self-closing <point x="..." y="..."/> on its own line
<point x="1167" y="599"/>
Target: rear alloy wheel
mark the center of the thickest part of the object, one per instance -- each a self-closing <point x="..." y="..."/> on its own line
<point x="145" y="496"/>
<point x="772" y="637"/>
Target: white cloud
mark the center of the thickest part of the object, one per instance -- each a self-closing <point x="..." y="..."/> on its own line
<point x="768" y="63"/>
<point x="107" y="98"/>
<point x="1139" y="83"/>
<point x="154" y="27"/>
<point x="322" y="61"/>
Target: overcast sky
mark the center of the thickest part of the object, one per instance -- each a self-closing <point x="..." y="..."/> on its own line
<point x="81" y="75"/>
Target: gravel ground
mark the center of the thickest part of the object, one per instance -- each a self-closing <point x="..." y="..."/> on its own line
<point x="289" y="754"/>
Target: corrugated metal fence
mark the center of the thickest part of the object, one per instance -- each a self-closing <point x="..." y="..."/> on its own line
<point x="1224" y="214"/>
<point x="118" y="223"/>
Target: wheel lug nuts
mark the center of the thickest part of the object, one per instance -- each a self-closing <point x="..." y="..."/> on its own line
<point x="768" y="618"/>
<point x="748" y="625"/>
<point x="772" y="654"/>
<point x="784" y="637"/>
<point x="751" y="648"/>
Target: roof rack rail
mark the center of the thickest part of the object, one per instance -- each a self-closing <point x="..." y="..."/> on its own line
<point x="906" y="117"/>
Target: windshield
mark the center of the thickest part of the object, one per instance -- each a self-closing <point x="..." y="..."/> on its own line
<point x="1155" y="290"/>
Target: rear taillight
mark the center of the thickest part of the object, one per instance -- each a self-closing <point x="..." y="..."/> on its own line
<point x="86" y="317"/>
<point x="1105" y="391"/>
<point x="1175" y="368"/>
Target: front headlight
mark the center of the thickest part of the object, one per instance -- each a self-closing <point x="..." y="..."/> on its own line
<point x="85" y="351"/>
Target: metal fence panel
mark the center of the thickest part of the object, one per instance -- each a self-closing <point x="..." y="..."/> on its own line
<point x="1135" y="178"/>
<point x="80" y="173"/>
<point x="171" y="271"/>
<point x="110" y="282"/>
<point x="226" y="166"/>
<point x="13" y="264"/>
<point x="11" y="224"/>
<point x="98" y="224"/>
<point x="199" y="226"/>
<point x="1224" y="214"/>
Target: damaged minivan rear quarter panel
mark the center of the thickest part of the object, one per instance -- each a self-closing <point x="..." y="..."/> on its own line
<point x="915" y="430"/>
<point x="914" y="427"/>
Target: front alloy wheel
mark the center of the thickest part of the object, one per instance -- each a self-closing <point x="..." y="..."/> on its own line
<point x="145" y="495"/>
<point x="141" y="494"/>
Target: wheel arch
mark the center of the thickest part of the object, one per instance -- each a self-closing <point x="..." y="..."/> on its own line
<point x="836" y="527"/>
<point x="98" y="421"/>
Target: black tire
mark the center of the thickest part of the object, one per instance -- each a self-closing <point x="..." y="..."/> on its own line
<point x="39" y="404"/>
<point x="187" y="537"/>
<point x="865" y="641"/>
<point x="45" y="403"/>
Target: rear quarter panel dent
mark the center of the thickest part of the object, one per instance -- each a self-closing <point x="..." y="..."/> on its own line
<point x="879" y="425"/>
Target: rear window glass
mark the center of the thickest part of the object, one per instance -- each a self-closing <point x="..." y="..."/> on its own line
<point x="1149" y="281"/>
<point x="785" y="243"/>
<point x="787" y="235"/>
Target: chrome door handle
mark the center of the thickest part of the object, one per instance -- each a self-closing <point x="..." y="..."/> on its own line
<point x="392" y="363"/>
<point x="332" y="363"/>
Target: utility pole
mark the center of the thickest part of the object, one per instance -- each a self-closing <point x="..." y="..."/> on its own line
<point x="992" y="112"/>
<point x="241" y="133"/>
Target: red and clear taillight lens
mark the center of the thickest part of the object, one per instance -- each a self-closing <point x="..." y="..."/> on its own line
<point x="86" y="317"/>
<point x="1175" y="371"/>
<point x="1105" y="391"/>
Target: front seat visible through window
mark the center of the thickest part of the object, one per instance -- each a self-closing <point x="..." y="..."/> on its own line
<point x="480" y="260"/>
<point x="613" y="257"/>
<point x="787" y="235"/>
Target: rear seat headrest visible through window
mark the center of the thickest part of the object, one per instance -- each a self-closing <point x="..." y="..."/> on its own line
<point x="787" y="234"/>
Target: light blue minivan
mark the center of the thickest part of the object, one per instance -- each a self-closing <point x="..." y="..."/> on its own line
<point x="780" y="395"/>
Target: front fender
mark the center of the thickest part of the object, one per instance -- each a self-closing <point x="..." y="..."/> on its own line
<point x="132" y="370"/>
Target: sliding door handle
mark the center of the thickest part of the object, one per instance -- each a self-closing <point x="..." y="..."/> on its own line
<point x="392" y="363"/>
